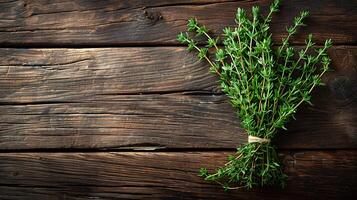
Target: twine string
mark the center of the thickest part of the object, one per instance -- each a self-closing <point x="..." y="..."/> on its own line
<point x="252" y="139"/>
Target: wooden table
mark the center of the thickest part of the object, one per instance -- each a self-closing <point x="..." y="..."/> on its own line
<point x="99" y="101"/>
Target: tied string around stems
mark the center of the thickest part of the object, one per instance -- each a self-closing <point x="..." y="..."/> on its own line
<point x="256" y="163"/>
<point x="252" y="139"/>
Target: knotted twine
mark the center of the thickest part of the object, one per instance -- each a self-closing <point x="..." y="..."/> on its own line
<point x="252" y="139"/>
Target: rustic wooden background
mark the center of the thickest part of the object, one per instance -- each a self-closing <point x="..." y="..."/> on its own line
<point x="99" y="101"/>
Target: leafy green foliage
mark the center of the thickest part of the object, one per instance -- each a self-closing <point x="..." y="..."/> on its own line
<point x="266" y="85"/>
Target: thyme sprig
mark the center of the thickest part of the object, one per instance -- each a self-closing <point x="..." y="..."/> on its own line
<point x="266" y="85"/>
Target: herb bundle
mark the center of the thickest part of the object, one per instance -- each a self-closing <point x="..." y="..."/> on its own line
<point x="266" y="85"/>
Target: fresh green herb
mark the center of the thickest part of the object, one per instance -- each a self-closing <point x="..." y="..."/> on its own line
<point x="266" y="85"/>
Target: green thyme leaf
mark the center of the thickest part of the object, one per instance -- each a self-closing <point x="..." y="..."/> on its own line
<point x="265" y="85"/>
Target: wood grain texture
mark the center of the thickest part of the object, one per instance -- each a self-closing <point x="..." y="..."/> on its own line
<point x="33" y="75"/>
<point x="312" y="175"/>
<point x="70" y="75"/>
<point x="90" y="98"/>
<point x="134" y="121"/>
<point x="137" y="22"/>
<point x="161" y="121"/>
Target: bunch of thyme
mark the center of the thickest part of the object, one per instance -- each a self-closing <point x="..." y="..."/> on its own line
<point x="266" y="85"/>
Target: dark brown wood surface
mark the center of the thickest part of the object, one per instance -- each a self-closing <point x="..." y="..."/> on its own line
<point x="63" y="98"/>
<point x="141" y="175"/>
<point x="99" y="101"/>
<point x="138" y="22"/>
<point x="72" y="75"/>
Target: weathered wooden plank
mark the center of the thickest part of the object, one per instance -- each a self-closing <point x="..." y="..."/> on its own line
<point x="38" y="75"/>
<point x="135" y="121"/>
<point x="68" y="98"/>
<point x="162" y="121"/>
<point x="83" y="22"/>
<point x="312" y="175"/>
<point x="32" y="75"/>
